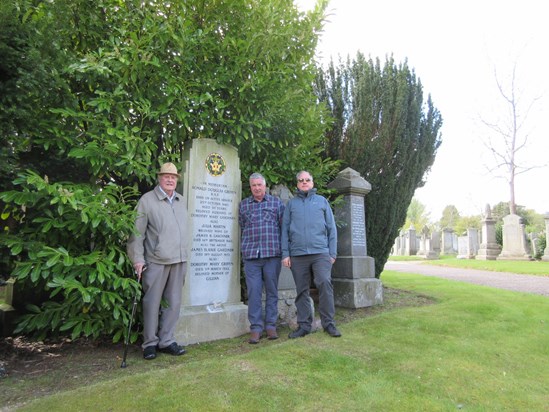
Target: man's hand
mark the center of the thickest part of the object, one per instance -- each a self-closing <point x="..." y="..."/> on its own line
<point x="139" y="268"/>
<point x="287" y="262"/>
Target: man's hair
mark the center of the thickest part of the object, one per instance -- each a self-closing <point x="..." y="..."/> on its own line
<point x="301" y="172"/>
<point x="258" y="176"/>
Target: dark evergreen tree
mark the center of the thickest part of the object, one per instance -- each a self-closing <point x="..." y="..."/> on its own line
<point x="384" y="130"/>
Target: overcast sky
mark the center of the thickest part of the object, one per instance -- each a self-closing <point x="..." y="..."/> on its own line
<point x="454" y="48"/>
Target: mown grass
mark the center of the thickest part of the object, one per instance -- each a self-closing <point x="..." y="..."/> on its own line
<point x="474" y="349"/>
<point x="535" y="267"/>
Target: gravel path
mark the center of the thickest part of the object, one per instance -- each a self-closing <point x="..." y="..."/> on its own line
<point x="502" y="280"/>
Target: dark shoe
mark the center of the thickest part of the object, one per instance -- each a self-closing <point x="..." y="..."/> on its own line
<point x="332" y="331"/>
<point x="254" y="338"/>
<point x="271" y="334"/>
<point x="298" y="333"/>
<point x="149" y="352"/>
<point x="174" y="349"/>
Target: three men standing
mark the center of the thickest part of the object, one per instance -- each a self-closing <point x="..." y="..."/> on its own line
<point x="260" y="218"/>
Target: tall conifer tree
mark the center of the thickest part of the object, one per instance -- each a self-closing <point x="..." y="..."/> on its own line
<point x="384" y="130"/>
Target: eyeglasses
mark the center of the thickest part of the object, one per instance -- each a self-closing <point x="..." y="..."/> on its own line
<point x="304" y="180"/>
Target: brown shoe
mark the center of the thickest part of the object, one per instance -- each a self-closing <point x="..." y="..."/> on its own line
<point x="254" y="338"/>
<point x="271" y="334"/>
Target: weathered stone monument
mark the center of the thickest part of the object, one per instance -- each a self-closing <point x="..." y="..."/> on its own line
<point x="489" y="248"/>
<point x="411" y="241"/>
<point x="449" y="242"/>
<point x="212" y="308"/>
<point x="545" y="256"/>
<point x="353" y="274"/>
<point x="429" y="244"/>
<point x="514" y="239"/>
<point x="468" y="244"/>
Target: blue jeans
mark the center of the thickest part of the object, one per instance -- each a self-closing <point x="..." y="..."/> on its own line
<point x="259" y="273"/>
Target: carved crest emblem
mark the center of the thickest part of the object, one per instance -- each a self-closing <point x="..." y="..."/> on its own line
<point x="215" y="164"/>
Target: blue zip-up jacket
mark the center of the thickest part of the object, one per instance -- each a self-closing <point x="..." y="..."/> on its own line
<point x="308" y="226"/>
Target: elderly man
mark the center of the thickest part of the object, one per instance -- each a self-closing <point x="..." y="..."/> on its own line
<point x="159" y="245"/>
<point x="260" y="218"/>
<point x="309" y="248"/>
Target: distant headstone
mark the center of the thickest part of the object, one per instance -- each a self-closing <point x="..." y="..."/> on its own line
<point x="489" y="248"/>
<point x="429" y="244"/>
<point x="514" y="239"/>
<point x="353" y="274"/>
<point x="468" y="245"/>
<point x="449" y="242"/>
<point x="411" y="241"/>
<point x="545" y="256"/>
<point x="212" y="308"/>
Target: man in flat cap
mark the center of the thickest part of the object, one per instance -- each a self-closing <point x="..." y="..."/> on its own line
<point x="158" y="251"/>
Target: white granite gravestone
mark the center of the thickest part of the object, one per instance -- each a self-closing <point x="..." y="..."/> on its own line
<point x="514" y="239"/>
<point x="212" y="308"/>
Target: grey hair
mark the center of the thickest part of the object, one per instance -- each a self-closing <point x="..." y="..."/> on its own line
<point x="258" y="176"/>
<point x="301" y="172"/>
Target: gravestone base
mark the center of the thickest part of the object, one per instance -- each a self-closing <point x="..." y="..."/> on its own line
<point x="488" y="252"/>
<point x="429" y="255"/>
<point x="354" y="267"/>
<point x="512" y="256"/>
<point x="205" y="324"/>
<point x="357" y="293"/>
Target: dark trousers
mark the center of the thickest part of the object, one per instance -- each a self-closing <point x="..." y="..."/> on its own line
<point x="319" y="266"/>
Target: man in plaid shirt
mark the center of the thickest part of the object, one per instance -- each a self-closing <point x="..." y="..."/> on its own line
<point x="260" y="218"/>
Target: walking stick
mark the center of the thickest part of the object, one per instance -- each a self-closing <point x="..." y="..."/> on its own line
<point x="127" y="340"/>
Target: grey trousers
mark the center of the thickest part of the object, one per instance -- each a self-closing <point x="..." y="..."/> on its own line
<point x="162" y="282"/>
<point x="319" y="266"/>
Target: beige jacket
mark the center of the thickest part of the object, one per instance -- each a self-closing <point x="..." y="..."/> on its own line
<point x="161" y="227"/>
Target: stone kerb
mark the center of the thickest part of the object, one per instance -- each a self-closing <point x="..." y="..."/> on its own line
<point x="353" y="274"/>
<point x="212" y="308"/>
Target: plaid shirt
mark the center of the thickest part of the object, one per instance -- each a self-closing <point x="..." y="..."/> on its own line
<point x="260" y="223"/>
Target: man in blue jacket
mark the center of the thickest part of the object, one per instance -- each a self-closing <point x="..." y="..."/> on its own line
<point x="309" y="248"/>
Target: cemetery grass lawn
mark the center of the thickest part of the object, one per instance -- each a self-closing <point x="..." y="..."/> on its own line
<point x="524" y="267"/>
<point x="436" y="345"/>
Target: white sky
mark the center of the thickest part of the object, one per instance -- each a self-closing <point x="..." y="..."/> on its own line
<point x="454" y="48"/>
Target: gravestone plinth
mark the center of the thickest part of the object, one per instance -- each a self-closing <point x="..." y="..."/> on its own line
<point x="545" y="256"/>
<point x="489" y="248"/>
<point x="212" y="307"/>
<point x="514" y="239"/>
<point x="353" y="274"/>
